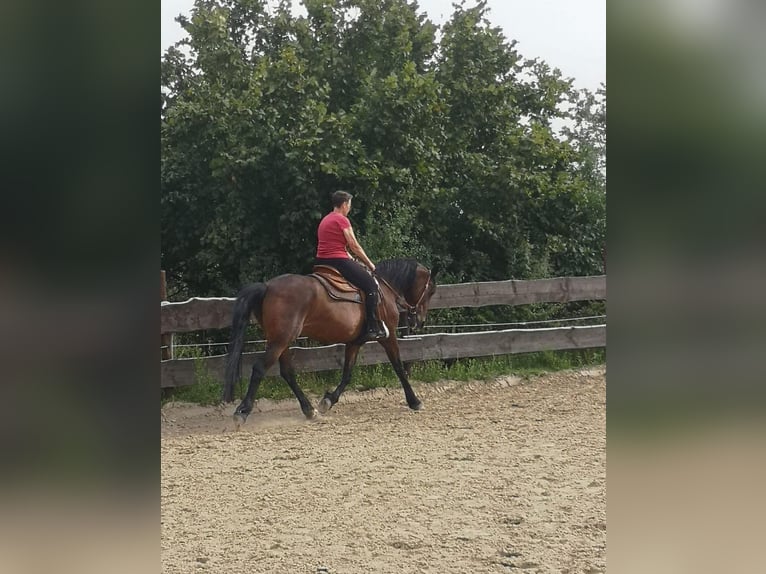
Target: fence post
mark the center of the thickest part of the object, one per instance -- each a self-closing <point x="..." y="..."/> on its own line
<point x="166" y="340"/>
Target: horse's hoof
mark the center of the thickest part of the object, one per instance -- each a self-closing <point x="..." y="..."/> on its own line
<point x="312" y="414"/>
<point x="418" y="406"/>
<point x="324" y="405"/>
<point x="239" y="419"/>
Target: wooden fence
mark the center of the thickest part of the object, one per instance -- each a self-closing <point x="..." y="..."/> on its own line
<point x="213" y="313"/>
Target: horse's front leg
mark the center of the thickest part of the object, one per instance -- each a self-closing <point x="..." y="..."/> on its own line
<point x="392" y="350"/>
<point x="330" y="399"/>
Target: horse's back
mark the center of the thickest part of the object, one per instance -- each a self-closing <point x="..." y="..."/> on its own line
<point x="298" y="305"/>
<point x="298" y="290"/>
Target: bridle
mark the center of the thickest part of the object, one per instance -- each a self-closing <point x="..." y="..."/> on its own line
<point x="401" y="302"/>
<point x="413" y="309"/>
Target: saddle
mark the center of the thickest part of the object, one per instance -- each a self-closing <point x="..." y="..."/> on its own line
<point x="337" y="286"/>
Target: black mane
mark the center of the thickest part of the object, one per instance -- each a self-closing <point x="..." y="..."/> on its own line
<point x="400" y="273"/>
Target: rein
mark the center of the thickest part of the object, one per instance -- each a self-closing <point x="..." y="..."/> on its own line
<point x="401" y="302"/>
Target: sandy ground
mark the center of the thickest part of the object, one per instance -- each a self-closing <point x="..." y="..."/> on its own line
<point x="500" y="476"/>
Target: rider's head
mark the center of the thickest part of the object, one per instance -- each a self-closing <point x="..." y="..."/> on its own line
<point x="341" y="197"/>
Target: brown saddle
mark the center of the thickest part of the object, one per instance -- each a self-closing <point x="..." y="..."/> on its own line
<point x="337" y="286"/>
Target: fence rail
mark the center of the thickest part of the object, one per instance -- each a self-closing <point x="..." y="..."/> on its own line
<point x="215" y="312"/>
<point x="182" y="372"/>
<point x="201" y="313"/>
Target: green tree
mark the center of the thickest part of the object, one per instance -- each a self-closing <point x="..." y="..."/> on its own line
<point x="508" y="183"/>
<point x="447" y="146"/>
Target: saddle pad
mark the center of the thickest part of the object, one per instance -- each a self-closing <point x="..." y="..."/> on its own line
<point x="333" y="276"/>
<point x="336" y="285"/>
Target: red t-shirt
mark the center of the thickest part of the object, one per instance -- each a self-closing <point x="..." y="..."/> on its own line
<point x="331" y="243"/>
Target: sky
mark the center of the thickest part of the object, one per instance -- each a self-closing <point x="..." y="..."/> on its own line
<point x="568" y="34"/>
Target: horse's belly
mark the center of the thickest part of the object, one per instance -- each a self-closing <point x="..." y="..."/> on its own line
<point x="341" y="324"/>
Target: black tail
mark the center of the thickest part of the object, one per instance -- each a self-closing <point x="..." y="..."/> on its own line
<point x="249" y="300"/>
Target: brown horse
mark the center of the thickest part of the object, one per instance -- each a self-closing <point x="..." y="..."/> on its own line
<point x="290" y="306"/>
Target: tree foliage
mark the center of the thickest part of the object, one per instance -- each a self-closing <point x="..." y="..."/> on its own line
<point x="444" y="137"/>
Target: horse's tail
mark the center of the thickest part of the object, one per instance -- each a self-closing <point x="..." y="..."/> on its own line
<point x="249" y="300"/>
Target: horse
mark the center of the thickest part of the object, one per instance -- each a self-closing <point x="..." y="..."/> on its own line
<point x="290" y="306"/>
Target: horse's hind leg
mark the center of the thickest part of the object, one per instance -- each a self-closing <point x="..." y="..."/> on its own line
<point x="260" y="367"/>
<point x="287" y="371"/>
<point x="392" y="350"/>
<point x="331" y="398"/>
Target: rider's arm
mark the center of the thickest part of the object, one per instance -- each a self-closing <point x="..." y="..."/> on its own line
<point x="356" y="249"/>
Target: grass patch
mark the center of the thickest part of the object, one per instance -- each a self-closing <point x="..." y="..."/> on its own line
<point x="526" y="364"/>
<point x="207" y="390"/>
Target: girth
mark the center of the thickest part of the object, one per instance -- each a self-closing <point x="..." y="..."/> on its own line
<point x="337" y="286"/>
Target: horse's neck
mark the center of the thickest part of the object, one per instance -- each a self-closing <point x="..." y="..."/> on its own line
<point x="400" y="298"/>
<point x="384" y="283"/>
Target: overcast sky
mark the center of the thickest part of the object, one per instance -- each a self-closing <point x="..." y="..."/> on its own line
<point x="567" y="34"/>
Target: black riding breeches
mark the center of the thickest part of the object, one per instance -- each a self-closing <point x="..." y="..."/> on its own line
<point x="354" y="272"/>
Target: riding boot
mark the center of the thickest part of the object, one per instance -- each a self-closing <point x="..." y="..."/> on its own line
<point x="375" y="329"/>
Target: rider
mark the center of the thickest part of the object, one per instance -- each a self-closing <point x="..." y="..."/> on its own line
<point x="334" y="236"/>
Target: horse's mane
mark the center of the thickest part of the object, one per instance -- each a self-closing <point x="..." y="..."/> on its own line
<point x="400" y="273"/>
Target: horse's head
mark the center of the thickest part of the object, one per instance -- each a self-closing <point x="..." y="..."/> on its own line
<point x="415" y="285"/>
<point x="419" y="297"/>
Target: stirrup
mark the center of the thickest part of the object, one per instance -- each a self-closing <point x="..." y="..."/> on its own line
<point x="379" y="332"/>
<point x="384" y="333"/>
